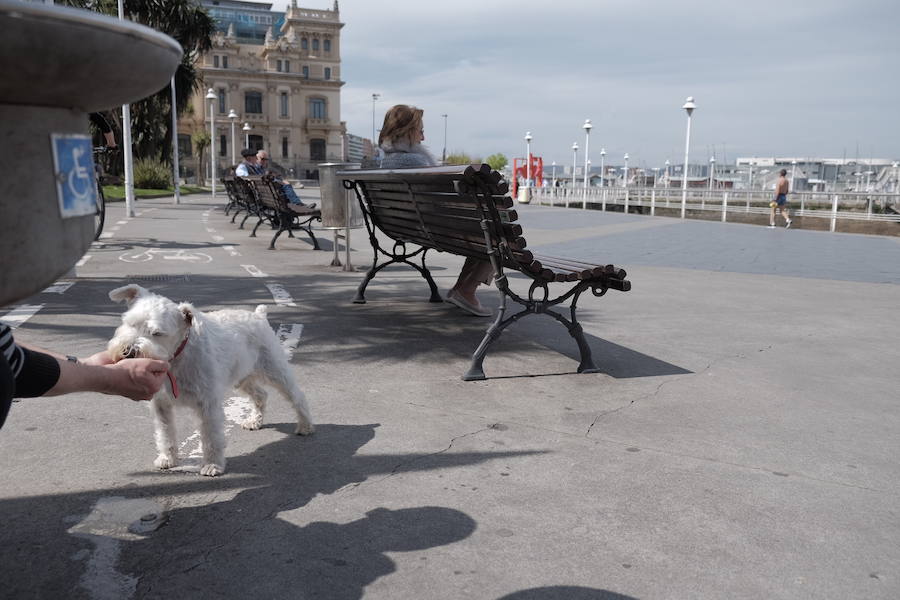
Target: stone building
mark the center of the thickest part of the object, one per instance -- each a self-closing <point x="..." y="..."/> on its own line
<point x="281" y="75"/>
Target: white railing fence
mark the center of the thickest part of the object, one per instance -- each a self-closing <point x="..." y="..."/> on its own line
<point x="835" y="206"/>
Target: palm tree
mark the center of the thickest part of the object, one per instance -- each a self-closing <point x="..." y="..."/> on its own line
<point x="190" y="25"/>
<point x="201" y="140"/>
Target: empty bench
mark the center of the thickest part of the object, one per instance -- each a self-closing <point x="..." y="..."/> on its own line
<point x="466" y="210"/>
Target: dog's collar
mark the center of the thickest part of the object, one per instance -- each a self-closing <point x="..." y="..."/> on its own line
<point x="183" y="344"/>
<point x="177" y="352"/>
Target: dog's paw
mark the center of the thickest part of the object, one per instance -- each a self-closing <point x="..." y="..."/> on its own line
<point x="164" y="462"/>
<point x="253" y="423"/>
<point x="304" y="428"/>
<point x="211" y="470"/>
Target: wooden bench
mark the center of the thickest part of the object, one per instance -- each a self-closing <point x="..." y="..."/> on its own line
<point x="275" y="209"/>
<point x="466" y="210"/>
<point x="241" y="198"/>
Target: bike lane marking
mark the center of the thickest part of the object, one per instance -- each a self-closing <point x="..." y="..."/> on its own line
<point x="280" y="295"/>
<point x="254" y="271"/>
<point x="83" y="260"/>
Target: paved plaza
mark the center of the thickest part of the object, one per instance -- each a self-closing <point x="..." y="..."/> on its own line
<point x="740" y="442"/>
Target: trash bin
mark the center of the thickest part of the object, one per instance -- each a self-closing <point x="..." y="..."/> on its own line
<point x="340" y="208"/>
<point x="47" y="209"/>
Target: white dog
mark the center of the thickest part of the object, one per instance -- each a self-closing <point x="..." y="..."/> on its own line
<point x="209" y="354"/>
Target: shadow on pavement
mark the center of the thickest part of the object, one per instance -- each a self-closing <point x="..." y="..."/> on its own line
<point x="396" y="325"/>
<point x="565" y="592"/>
<point x="240" y="547"/>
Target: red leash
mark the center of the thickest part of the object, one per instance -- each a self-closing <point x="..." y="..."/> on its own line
<point x="169" y="373"/>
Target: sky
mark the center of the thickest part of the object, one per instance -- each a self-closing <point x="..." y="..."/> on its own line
<point x="808" y="78"/>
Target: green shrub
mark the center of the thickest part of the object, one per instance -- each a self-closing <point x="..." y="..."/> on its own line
<point x="152" y="174"/>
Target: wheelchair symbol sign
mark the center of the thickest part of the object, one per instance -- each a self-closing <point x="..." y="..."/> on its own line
<point x="74" y="167"/>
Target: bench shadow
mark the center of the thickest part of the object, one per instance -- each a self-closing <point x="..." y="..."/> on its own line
<point x="397" y="324"/>
<point x="243" y="544"/>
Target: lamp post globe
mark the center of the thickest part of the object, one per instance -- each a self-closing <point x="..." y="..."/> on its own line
<point x="211" y="96"/>
<point x="689" y="108"/>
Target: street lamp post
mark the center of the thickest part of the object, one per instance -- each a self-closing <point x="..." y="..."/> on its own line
<point x="667" y="177"/>
<point x="655" y="176"/>
<point x="374" y="141"/>
<point x="868" y="175"/>
<point x="587" y="140"/>
<point x="688" y="107"/>
<point x="602" y="156"/>
<point x="574" y="163"/>
<point x="233" y="116"/>
<point x="246" y="129"/>
<point x="444" y="153"/>
<point x="553" y="175"/>
<point x="528" y="139"/>
<point x="211" y="96"/>
<point x="793" y="167"/>
<point x="750" y="182"/>
<point x="625" y="173"/>
<point x="712" y="171"/>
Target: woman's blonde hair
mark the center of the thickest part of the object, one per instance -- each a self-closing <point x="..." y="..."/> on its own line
<point x="400" y="123"/>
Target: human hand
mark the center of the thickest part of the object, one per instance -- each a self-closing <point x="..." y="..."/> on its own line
<point x="99" y="359"/>
<point x="137" y="378"/>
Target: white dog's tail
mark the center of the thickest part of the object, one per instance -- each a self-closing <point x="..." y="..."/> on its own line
<point x="261" y="311"/>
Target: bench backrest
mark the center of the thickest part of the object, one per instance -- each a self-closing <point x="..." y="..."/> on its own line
<point x="442" y="208"/>
<point x="267" y="192"/>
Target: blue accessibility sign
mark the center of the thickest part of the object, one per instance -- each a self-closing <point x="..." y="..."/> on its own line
<point x="75" y="183"/>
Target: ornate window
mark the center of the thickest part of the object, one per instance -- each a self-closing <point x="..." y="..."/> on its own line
<point x="315" y="45"/>
<point x="304" y="44"/>
<point x="221" y="94"/>
<point x="255" y="142"/>
<point x="327" y="45"/>
<point x="184" y="144"/>
<point x="253" y="102"/>
<point x="284" y="147"/>
<point x="317" y="108"/>
<point x="305" y="72"/>
<point x="223" y="145"/>
<point x="317" y="149"/>
<point x="327" y="72"/>
<point x="287" y="66"/>
<point x="284" y="104"/>
<point x="224" y="62"/>
<point x="216" y="61"/>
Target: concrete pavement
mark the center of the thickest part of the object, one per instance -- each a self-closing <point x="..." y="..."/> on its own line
<point x="741" y="441"/>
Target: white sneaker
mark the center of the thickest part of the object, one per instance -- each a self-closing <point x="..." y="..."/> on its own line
<point x="788" y="224"/>
<point x="771" y="225"/>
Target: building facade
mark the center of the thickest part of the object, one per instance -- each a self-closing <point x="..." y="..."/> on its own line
<point x="278" y="76"/>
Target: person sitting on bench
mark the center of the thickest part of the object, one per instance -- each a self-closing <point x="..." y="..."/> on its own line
<point x="263" y="157"/>
<point x="401" y="144"/>
<point x="249" y="166"/>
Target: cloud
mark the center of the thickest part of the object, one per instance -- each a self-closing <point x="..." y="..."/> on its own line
<point x="769" y="77"/>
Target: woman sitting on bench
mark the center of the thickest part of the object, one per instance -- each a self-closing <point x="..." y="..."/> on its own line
<point x="401" y="142"/>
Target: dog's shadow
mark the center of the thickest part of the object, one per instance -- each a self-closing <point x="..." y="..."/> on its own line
<point x="246" y="546"/>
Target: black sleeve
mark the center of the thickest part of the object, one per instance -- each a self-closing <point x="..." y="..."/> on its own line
<point x="100" y="121"/>
<point x="39" y="373"/>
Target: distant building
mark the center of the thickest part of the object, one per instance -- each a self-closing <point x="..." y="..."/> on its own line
<point x="281" y="74"/>
<point x="357" y="148"/>
<point x="823" y="174"/>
